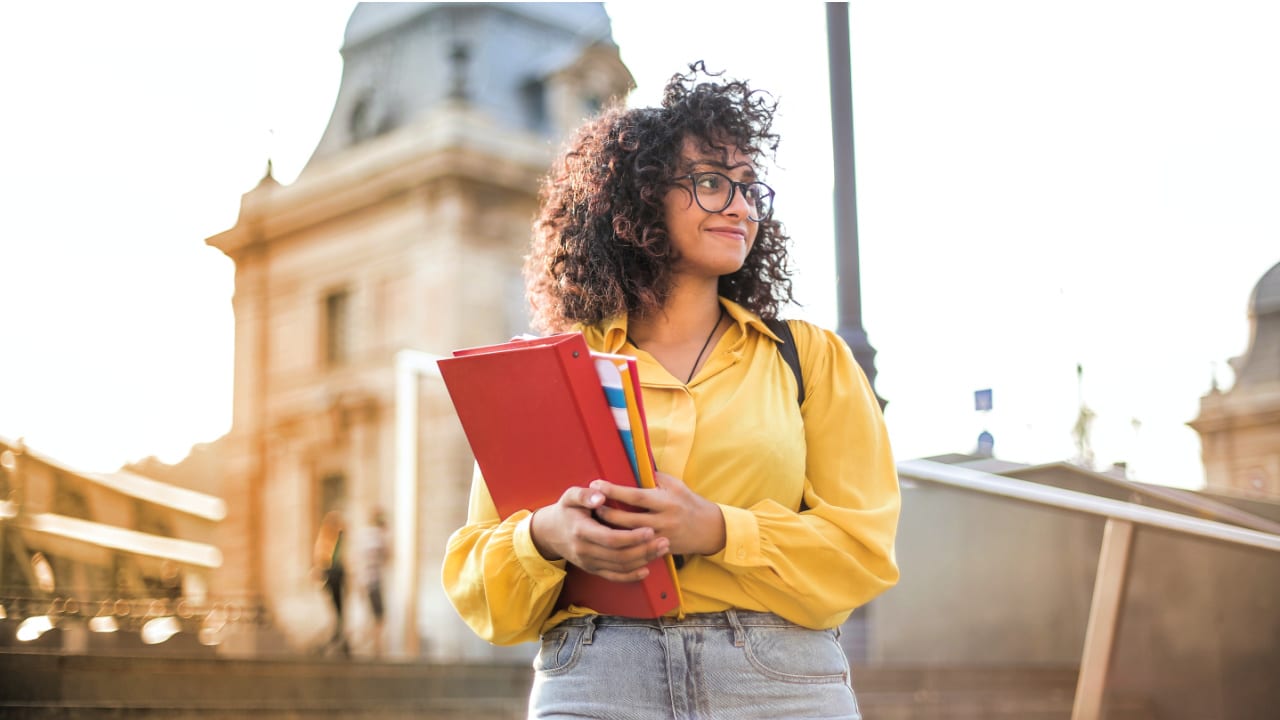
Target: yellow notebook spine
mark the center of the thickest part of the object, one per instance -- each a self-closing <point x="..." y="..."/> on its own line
<point x="644" y="458"/>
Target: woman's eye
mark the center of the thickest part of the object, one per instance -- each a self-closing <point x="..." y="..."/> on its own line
<point x="710" y="182"/>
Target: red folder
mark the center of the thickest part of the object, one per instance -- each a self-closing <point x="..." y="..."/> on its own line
<point x="538" y="423"/>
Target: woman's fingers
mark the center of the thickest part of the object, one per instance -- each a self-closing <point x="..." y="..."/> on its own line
<point x="648" y="507"/>
<point x="693" y="524"/>
<point x="633" y="576"/>
<point x="598" y="548"/>
<point x="641" y="498"/>
<point x="555" y="527"/>
<point x="597" y="540"/>
<point x="628" y="520"/>
<point x="572" y="529"/>
<point x="582" y="497"/>
<point x="609" y="536"/>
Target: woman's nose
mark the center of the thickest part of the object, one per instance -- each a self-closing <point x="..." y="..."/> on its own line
<point x="739" y="205"/>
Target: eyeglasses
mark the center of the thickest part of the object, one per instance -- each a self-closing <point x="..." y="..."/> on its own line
<point x="714" y="191"/>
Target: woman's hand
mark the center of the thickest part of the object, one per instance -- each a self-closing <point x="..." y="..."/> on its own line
<point x="568" y="530"/>
<point x="693" y="524"/>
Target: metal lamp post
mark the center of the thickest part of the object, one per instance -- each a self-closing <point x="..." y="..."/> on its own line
<point x="848" y="279"/>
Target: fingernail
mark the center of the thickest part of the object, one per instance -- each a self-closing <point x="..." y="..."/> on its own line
<point x="596" y="498"/>
<point x="644" y="573"/>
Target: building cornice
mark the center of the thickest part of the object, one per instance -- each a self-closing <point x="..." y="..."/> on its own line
<point x="1259" y="406"/>
<point x="454" y="141"/>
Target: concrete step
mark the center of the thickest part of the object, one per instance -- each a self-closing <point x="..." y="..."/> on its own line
<point x="43" y="686"/>
<point x="37" y="685"/>
<point x="987" y="705"/>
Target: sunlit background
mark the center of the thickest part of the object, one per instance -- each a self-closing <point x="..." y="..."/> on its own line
<point x="1040" y="185"/>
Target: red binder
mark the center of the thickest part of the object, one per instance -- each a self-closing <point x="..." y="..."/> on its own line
<point x="538" y="423"/>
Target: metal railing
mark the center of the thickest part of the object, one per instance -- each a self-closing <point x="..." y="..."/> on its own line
<point x="1113" y="559"/>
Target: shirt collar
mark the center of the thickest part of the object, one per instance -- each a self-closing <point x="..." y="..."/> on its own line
<point x="611" y="334"/>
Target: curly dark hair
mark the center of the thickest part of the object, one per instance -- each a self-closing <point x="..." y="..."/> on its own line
<point x="600" y="246"/>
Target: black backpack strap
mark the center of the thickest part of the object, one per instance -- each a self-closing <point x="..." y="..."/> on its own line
<point x="789" y="353"/>
<point x="787" y="348"/>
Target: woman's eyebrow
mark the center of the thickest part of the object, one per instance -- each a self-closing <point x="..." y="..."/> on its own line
<point x="695" y="163"/>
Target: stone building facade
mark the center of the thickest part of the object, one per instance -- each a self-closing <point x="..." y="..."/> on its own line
<point x="406" y="230"/>
<point x="1240" y="428"/>
<point x="116" y="547"/>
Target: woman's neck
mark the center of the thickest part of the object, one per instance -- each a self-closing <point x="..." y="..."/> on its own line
<point x="683" y="335"/>
<point x="685" y="317"/>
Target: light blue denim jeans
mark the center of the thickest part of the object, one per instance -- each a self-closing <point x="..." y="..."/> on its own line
<point x="731" y="665"/>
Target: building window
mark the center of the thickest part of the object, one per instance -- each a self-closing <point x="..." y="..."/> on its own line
<point x="337" y="328"/>
<point x="534" y="97"/>
<point x="331" y="493"/>
<point x="151" y="520"/>
<point x="369" y="118"/>
<point x="69" y="500"/>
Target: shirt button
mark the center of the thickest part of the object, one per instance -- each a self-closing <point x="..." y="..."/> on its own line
<point x="742" y="553"/>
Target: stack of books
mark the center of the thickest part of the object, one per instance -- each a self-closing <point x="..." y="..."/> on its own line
<point x="546" y="414"/>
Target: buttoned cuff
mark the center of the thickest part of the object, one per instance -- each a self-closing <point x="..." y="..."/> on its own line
<point x="536" y="566"/>
<point x="741" y="539"/>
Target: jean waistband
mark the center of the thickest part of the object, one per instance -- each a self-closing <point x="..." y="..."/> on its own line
<point x="725" y="619"/>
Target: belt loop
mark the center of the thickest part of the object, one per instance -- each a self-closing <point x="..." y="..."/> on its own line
<point x="739" y="635"/>
<point x="590" y="631"/>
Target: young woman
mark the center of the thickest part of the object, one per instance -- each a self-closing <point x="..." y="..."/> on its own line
<point x="656" y="239"/>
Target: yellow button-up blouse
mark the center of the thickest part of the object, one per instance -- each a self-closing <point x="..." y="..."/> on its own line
<point x="736" y="436"/>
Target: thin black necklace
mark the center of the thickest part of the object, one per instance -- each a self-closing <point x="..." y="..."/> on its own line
<point x="705" y="343"/>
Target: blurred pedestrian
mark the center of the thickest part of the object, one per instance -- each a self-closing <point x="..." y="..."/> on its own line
<point x="375" y="553"/>
<point x="327" y="560"/>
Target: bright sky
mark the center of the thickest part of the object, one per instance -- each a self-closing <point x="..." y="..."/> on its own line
<point x="1039" y="185"/>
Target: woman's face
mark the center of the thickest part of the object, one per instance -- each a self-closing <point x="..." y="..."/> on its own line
<point x="709" y="244"/>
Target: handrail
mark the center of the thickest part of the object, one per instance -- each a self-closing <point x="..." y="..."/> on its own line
<point x="1032" y="492"/>
<point x="1113" y="559"/>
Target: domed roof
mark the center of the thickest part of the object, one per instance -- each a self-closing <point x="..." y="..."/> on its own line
<point x="401" y="60"/>
<point x="582" y="18"/>
<point x="1266" y="294"/>
<point x="1260" y="364"/>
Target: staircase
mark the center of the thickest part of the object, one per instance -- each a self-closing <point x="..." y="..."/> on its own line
<point x="977" y="693"/>
<point x="44" y="686"/>
<point x="47" y="686"/>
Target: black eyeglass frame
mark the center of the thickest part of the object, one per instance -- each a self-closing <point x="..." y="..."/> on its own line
<point x="733" y="190"/>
